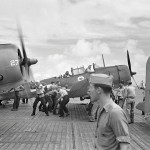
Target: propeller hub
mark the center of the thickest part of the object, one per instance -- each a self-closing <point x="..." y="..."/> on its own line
<point x="133" y="73"/>
<point x="32" y="61"/>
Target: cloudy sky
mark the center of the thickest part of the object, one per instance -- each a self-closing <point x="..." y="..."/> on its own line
<point x="68" y="33"/>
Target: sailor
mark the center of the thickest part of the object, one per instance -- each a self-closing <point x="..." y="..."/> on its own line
<point x="130" y="102"/>
<point x="120" y="94"/>
<point x="89" y="69"/>
<point x="39" y="97"/>
<point x="67" y="75"/>
<point x="112" y="131"/>
<point x="63" y="101"/>
<point x="51" y="97"/>
<point x="48" y="99"/>
<point x="17" y="97"/>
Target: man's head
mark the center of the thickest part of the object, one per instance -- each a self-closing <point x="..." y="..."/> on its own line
<point x="52" y="82"/>
<point x="58" y="88"/>
<point x="121" y="84"/>
<point x="100" y="84"/>
<point x="58" y="83"/>
<point x="66" y="86"/>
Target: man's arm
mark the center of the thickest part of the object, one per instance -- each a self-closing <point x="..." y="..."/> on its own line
<point x="120" y="128"/>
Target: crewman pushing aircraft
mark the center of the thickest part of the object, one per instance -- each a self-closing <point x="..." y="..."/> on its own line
<point x="39" y="97"/>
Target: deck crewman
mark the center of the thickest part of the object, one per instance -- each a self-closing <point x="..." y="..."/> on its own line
<point x="112" y="131"/>
<point x="63" y="101"/>
<point x="39" y="97"/>
<point x="120" y="94"/>
<point x="17" y="97"/>
<point x="130" y="102"/>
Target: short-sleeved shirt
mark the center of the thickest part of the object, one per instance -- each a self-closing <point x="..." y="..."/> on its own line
<point x="121" y="92"/>
<point x="40" y="89"/>
<point x="52" y="93"/>
<point x="112" y="127"/>
<point x="63" y="92"/>
<point x="131" y="92"/>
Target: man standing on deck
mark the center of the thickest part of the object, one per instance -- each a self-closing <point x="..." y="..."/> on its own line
<point x="112" y="131"/>
<point x="130" y="102"/>
<point x="120" y="94"/>
<point x="17" y="97"/>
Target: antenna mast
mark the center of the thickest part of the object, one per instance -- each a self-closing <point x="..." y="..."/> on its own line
<point x="103" y="60"/>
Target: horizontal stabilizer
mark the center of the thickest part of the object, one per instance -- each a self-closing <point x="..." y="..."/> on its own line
<point x="140" y="106"/>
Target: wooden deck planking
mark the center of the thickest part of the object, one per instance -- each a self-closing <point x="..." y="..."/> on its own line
<point x="19" y="130"/>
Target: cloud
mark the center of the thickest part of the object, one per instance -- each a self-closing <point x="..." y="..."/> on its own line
<point x="145" y="24"/>
<point x="61" y="19"/>
<point x="78" y="20"/>
<point x="85" y="48"/>
<point x="83" y="53"/>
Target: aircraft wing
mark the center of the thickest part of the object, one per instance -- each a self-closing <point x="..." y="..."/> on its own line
<point x="22" y="93"/>
<point x="79" y="89"/>
<point x="7" y="95"/>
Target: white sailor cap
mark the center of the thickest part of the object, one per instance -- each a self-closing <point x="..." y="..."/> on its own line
<point x="101" y="79"/>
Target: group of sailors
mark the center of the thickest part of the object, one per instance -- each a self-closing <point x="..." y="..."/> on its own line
<point x="51" y="97"/>
<point x="54" y="98"/>
<point x="124" y="96"/>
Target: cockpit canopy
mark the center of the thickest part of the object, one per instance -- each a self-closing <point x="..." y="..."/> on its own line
<point x="77" y="70"/>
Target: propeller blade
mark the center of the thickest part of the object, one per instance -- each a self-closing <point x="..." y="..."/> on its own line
<point x="129" y="64"/>
<point x="22" y="44"/>
<point x="26" y="62"/>
<point x="135" y="83"/>
<point x="25" y="58"/>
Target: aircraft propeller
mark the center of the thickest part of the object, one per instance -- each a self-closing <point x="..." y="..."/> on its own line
<point x="129" y="65"/>
<point x="25" y="65"/>
<point x="26" y="62"/>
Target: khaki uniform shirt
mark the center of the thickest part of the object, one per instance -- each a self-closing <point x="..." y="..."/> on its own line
<point x="63" y="92"/>
<point x="40" y="90"/>
<point x="120" y="92"/>
<point x="130" y="94"/>
<point x="112" y="127"/>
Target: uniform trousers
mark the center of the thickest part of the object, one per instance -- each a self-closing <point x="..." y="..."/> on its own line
<point x="43" y="101"/>
<point x="16" y="102"/>
<point x="130" y="109"/>
<point x="62" y="107"/>
<point x="48" y="100"/>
